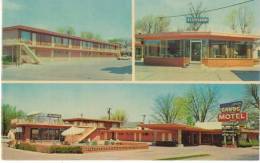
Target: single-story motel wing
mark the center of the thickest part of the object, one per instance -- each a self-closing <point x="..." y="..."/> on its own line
<point x="20" y="41"/>
<point x="211" y="49"/>
<point x="47" y="128"/>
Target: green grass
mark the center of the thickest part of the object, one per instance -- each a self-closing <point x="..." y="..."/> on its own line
<point x="185" y="157"/>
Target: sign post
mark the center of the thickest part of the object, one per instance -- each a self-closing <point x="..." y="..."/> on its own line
<point x="230" y="114"/>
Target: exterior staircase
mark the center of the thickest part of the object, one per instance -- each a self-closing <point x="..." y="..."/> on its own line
<point x="30" y="53"/>
<point x="72" y="139"/>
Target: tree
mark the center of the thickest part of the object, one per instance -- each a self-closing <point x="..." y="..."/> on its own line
<point x="118" y="115"/>
<point x="196" y="12"/>
<point x="242" y="18"/>
<point x="152" y="24"/>
<point x="231" y="20"/>
<point x="201" y="103"/>
<point x="8" y="113"/>
<point x="165" y="110"/>
<point x="245" y="19"/>
<point x="251" y="104"/>
<point x="90" y="35"/>
<point x="67" y="30"/>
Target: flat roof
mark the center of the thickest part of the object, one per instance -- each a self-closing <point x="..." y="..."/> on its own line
<point x="44" y="31"/>
<point x="174" y="126"/>
<point x="90" y="119"/>
<point x="198" y="35"/>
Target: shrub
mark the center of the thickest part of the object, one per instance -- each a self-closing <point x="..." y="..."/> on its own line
<point x="7" y="60"/>
<point x="255" y="142"/>
<point x="65" y="149"/>
<point x="107" y="142"/>
<point x="244" y="144"/>
<point x="94" y="143"/>
<point x="27" y="147"/>
<point x="227" y="143"/>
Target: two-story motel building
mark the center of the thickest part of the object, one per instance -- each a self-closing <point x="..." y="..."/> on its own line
<point x="48" y="44"/>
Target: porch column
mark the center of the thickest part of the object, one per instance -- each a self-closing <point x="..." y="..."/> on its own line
<point x="210" y="51"/>
<point x="105" y="136"/>
<point x="248" y="52"/>
<point x="154" y="136"/>
<point x="212" y="139"/>
<point x="142" y="53"/>
<point x="33" y="38"/>
<point x="180" y="138"/>
<point x="52" y="41"/>
<point x="116" y="135"/>
<point x="134" y="136"/>
<point x="192" y="139"/>
<point x="233" y="140"/>
<point x="140" y="136"/>
<point x="199" y="138"/>
<point x="225" y="140"/>
<point x="163" y="136"/>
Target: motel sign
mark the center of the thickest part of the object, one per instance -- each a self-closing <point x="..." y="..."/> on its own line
<point x="231" y="112"/>
<point x="202" y="20"/>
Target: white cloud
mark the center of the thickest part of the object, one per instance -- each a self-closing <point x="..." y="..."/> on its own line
<point x="11" y="5"/>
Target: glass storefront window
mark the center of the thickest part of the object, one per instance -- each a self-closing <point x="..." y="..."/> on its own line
<point x="58" y="40"/>
<point x="35" y="134"/>
<point x="65" y="41"/>
<point x="163" y="48"/>
<point x="42" y="38"/>
<point x="174" y="48"/>
<point x="26" y="36"/>
<point x="152" y="47"/>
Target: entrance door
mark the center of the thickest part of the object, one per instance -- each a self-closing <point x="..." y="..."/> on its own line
<point x="195" y="51"/>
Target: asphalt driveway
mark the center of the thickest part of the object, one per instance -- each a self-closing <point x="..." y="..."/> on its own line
<point x="71" y="70"/>
<point x="153" y="153"/>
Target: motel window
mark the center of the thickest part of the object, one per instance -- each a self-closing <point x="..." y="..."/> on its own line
<point x="87" y="44"/>
<point x="58" y="40"/>
<point x="174" y="48"/>
<point x="65" y="41"/>
<point x="75" y="42"/>
<point x="96" y="45"/>
<point x="42" y="38"/>
<point x="26" y="36"/>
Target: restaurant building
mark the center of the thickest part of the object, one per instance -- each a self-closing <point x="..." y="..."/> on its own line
<point x="50" y="127"/>
<point x="34" y="42"/>
<point x="208" y="48"/>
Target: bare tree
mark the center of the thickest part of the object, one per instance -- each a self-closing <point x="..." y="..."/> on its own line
<point x="245" y="19"/>
<point x="152" y="24"/>
<point x="201" y="103"/>
<point x="196" y="12"/>
<point x="231" y="20"/>
<point x="165" y="110"/>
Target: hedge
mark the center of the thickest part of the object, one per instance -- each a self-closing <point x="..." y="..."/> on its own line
<point x="243" y="144"/>
<point x="255" y="142"/>
<point x="65" y="149"/>
<point x="27" y="147"/>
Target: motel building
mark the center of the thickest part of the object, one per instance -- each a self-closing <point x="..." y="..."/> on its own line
<point x="28" y="44"/>
<point x="51" y="128"/>
<point x="211" y="49"/>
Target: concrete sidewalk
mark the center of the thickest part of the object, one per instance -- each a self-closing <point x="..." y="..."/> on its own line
<point x="196" y="73"/>
<point x="153" y="153"/>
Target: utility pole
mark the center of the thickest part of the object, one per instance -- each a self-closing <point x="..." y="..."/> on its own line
<point x="144" y="116"/>
<point x="109" y="113"/>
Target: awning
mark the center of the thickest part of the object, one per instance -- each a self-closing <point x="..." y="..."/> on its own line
<point x="73" y="131"/>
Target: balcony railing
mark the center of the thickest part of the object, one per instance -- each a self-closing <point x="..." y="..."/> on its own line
<point x="34" y="121"/>
<point x="11" y="42"/>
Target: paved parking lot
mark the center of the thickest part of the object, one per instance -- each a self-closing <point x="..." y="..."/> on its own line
<point x="153" y="153"/>
<point x="74" y="69"/>
<point x="196" y="72"/>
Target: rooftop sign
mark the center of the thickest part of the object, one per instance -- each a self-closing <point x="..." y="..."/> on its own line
<point x="231" y="112"/>
<point x="203" y="20"/>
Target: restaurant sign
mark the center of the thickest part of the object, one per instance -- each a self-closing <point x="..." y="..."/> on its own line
<point x="231" y="112"/>
<point x="202" y="20"/>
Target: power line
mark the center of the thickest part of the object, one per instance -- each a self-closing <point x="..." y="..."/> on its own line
<point x="210" y="10"/>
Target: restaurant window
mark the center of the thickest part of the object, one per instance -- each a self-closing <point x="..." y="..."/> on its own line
<point x="26" y="36"/>
<point x="152" y="47"/>
<point x="174" y="48"/>
<point x="240" y="50"/>
<point x="35" y="134"/>
<point x="163" y="48"/>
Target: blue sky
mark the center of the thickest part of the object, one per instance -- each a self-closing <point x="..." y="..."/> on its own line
<point x="92" y="100"/>
<point x="109" y="18"/>
<point x="176" y="7"/>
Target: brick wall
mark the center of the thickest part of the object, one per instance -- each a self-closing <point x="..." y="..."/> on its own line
<point x="228" y="62"/>
<point x="166" y="61"/>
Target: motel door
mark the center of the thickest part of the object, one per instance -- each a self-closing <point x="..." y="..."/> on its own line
<point x="195" y="51"/>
